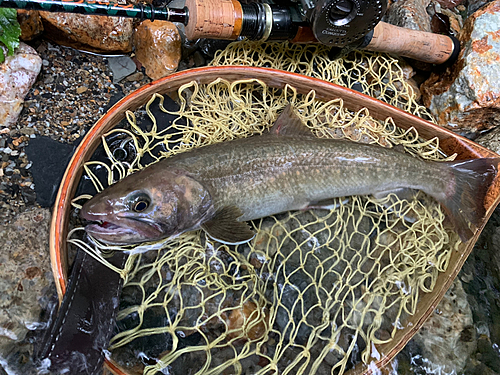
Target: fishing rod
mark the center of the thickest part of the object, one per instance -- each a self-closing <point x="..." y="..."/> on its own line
<point x="352" y="24"/>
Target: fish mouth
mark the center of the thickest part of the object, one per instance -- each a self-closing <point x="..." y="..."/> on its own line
<point x="100" y="226"/>
<point x="121" y="230"/>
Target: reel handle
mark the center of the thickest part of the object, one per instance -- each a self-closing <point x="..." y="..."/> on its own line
<point x="418" y="45"/>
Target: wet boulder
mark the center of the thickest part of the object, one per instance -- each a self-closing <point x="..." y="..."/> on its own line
<point x="17" y="75"/>
<point x="31" y="24"/>
<point x="466" y="96"/>
<point x="158" y="47"/>
<point x="91" y="33"/>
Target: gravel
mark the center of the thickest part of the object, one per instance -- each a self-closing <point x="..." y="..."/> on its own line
<point x="73" y="90"/>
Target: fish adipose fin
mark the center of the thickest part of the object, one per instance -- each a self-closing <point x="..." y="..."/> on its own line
<point x="289" y="124"/>
<point x="464" y="199"/>
<point x="225" y="227"/>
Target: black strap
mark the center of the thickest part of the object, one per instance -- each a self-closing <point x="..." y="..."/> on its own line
<point x="86" y="317"/>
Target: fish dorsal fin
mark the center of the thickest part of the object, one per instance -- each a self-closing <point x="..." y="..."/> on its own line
<point x="225" y="227"/>
<point x="289" y="124"/>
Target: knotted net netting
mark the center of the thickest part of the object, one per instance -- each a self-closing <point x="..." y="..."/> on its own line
<point x="315" y="291"/>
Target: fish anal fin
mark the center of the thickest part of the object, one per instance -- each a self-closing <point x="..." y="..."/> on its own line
<point x="289" y="124"/>
<point x="225" y="227"/>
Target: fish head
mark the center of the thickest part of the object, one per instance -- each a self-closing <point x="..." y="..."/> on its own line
<point x="147" y="206"/>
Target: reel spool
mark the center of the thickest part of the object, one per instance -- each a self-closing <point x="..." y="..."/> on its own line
<point x="339" y="23"/>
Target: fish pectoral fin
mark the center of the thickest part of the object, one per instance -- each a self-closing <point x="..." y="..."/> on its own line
<point x="391" y="201"/>
<point x="225" y="227"/>
<point x="289" y="124"/>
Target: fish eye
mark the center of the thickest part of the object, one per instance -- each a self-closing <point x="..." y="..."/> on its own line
<point x="141" y="203"/>
<point x="140" y="206"/>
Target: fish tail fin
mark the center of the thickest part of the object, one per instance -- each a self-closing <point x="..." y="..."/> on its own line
<point x="465" y="195"/>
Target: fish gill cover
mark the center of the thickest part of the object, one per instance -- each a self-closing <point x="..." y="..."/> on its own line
<point x="314" y="292"/>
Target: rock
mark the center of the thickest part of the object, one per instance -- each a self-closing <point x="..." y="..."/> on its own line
<point x="448" y="338"/>
<point x="248" y="321"/>
<point x="449" y="4"/>
<point x="121" y="67"/>
<point x="490" y="140"/>
<point x="456" y="22"/>
<point x="27" y="284"/>
<point x="92" y="33"/>
<point x="199" y="59"/>
<point x="158" y="47"/>
<point x="466" y="97"/>
<point x="137" y="76"/>
<point x="209" y="47"/>
<point x="81" y="89"/>
<point x="410" y="14"/>
<point x="27" y="131"/>
<point x="474" y="5"/>
<point x="31" y="24"/>
<point x="17" y="75"/>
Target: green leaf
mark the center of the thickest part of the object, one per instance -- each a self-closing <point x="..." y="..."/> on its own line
<point x="10" y="31"/>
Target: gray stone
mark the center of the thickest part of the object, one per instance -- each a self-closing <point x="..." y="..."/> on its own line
<point x="411" y="14"/>
<point x="448" y="337"/>
<point x="27" y="131"/>
<point x="26" y="281"/>
<point x="474" y="5"/>
<point x="490" y="140"/>
<point x="121" y="67"/>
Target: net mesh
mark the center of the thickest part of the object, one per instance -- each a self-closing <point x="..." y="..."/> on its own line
<point x="377" y="75"/>
<point x="314" y="292"/>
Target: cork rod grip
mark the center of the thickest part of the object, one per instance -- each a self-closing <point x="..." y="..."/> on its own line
<point x="419" y="45"/>
<point x="216" y="19"/>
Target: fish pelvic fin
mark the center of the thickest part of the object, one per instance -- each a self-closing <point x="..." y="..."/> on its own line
<point x="289" y="124"/>
<point x="225" y="227"/>
<point x="464" y="198"/>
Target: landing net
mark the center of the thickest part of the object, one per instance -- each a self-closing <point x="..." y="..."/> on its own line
<point x="313" y="293"/>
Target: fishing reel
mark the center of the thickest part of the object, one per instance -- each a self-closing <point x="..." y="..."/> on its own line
<point x="335" y="23"/>
<point x="353" y="24"/>
<point x="342" y="22"/>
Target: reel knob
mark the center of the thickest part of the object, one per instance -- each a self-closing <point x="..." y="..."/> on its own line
<point x="342" y="12"/>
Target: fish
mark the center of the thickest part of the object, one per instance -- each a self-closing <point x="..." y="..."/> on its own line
<point x="220" y="187"/>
